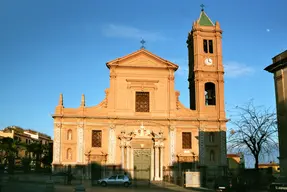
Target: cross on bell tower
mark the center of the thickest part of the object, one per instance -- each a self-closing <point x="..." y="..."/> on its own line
<point x="202" y="7"/>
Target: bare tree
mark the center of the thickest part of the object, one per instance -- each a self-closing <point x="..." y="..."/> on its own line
<point x="254" y="132"/>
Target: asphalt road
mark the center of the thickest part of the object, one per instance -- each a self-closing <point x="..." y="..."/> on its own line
<point x="30" y="187"/>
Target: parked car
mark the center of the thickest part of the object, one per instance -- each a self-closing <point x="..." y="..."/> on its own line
<point x="115" y="180"/>
<point x="279" y="185"/>
<point x="223" y="183"/>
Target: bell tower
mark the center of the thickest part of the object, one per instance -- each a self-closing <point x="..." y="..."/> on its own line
<point x="206" y="83"/>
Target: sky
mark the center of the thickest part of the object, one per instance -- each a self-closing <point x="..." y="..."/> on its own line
<point x="62" y="46"/>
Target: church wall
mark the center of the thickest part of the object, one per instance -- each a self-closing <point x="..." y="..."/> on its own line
<point x="194" y="140"/>
<point x="88" y="139"/>
<point x="69" y="143"/>
<point x="152" y="80"/>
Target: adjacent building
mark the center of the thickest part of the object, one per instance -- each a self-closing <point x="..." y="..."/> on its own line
<point x="279" y="70"/>
<point x="271" y="167"/>
<point x="24" y="136"/>
<point x="141" y="123"/>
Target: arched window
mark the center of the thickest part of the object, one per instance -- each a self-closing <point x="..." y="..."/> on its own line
<point x="69" y="154"/>
<point x="69" y="134"/>
<point x="211" y="156"/>
<point x="211" y="137"/>
<point x="209" y="93"/>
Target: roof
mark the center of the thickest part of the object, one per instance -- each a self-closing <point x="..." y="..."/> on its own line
<point x="279" y="62"/>
<point x="145" y="53"/>
<point x="204" y="20"/>
<point x="233" y="155"/>
<point x="268" y="164"/>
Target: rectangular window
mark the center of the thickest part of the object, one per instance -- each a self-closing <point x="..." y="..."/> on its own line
<point x="210" y="46"/>
<point x="142" y="101"/>
<point x="186" y="140"/>
<point x="96" y="138"/>
<point x="205" y="48"/>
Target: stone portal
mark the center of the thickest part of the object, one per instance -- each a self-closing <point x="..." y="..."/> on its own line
<point x="142" y="163"/>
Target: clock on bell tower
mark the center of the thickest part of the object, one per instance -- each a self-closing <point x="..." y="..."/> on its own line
<point x="206" y="83"/>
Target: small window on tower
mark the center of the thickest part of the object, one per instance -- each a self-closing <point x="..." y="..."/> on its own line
<point x="209" y="93"/>
<point x="142" y="101"/>
<point x="210" y="46"/>
<point x="205" y="46"/>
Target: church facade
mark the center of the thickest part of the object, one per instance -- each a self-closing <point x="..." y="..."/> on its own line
<point x="141" y="123"/>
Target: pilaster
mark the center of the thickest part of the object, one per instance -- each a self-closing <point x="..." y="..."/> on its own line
<point x="201" y="147"/>
<point x="80" y="143"/>
<point x="156" y="177"/>
<point x="172" y="137"/>
<point x="112" y="144"/>
<point x="57" y="144"/>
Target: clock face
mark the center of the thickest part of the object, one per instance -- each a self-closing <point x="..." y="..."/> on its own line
<point x="208" y="61"/>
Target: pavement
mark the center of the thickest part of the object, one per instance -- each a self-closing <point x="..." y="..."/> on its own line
<point x="37" y="187"/>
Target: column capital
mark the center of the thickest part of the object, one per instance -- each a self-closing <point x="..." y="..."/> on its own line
<point x="80" y="125"/>
<point x="112" y="126"/>
<point x="58" y="125"/>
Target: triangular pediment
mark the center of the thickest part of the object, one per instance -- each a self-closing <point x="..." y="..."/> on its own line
<point x="142" y="58"/>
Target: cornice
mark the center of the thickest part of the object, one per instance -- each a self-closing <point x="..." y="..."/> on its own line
<point x="142" y="118"/>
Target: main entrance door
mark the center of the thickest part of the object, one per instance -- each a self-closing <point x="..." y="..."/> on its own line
<point x="142" y="162"/>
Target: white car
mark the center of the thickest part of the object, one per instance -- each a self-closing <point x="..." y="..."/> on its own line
<point x="115" y="180"/>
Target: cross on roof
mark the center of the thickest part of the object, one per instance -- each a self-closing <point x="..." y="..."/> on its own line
<point x="202" y="7"/>
<point x="142" y="42"/>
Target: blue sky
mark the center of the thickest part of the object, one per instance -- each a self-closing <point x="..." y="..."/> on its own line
<point x="61" y="46"/>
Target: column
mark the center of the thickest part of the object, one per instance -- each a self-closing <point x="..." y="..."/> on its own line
<point x="128" y="158"/>
<point x="161" y="163"/>
<point x="152" y="165"/>
<point x="132" y="163"/>
<point x="123" y="156"/>
<point x="156" y="178"/>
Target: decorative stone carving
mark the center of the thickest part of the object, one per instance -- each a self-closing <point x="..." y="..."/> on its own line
<point x="80" y="125"/>
<point x="142" y="132"/>
<point x="186" y="158"/>
<point x="172" y="136"/>
<point x="112" y="144"/>
<point x="113" y="74"/>
<point x="80" y="143"/>
<point x="57" y="137"/>
<point x="177" y="94"/>
<point x="142" y="152"/>
<point x="59" y="125"/>
<point x="98" y="158"/>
